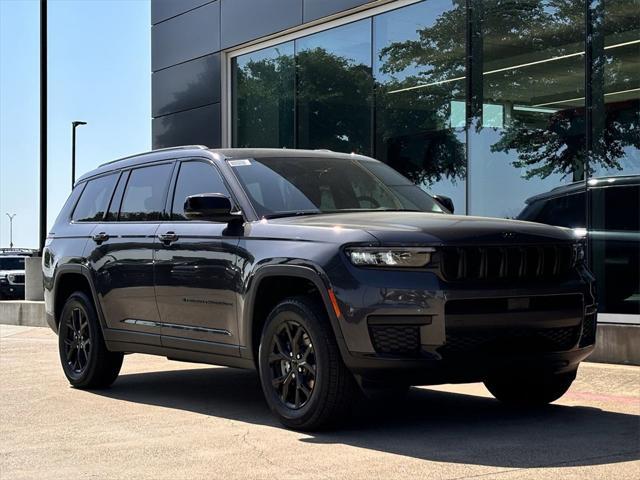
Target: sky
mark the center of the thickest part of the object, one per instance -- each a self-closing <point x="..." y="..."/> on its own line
<point x="99" y="62"/>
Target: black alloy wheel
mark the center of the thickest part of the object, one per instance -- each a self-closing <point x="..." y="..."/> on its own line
<point x="77" y="341"/>
<point x="304" y="380"/>
<point x="85" y="359"/>
<point x="292" y="364"/>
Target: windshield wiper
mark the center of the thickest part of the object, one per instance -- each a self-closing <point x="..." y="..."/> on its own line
<point x="291" y="213"/>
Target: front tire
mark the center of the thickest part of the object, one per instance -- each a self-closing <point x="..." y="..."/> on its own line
<point x="303" y="377"/>
<point x="530" y="390"/>
<point x="85" y="360"/>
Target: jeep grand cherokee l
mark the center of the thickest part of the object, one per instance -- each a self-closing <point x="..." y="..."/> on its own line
<point x="331" y="274"/>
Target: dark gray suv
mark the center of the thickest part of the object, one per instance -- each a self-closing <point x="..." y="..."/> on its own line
<point x="331" y="274"/>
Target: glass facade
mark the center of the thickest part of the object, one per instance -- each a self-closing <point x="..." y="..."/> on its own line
<point x="524" y="109"/>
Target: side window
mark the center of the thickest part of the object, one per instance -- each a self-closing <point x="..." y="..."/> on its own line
<point x="616" y="208"/>
<point x="114" y="208"/>
<point x="94" y="199"/>
<point x="194" y="178"/>
<point x="144" y="196"/>
<point x="565" y="211"/>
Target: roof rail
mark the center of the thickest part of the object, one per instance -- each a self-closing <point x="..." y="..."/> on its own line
<point x="182" y="147"/>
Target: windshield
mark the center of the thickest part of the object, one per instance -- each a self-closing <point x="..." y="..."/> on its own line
<point x="280" y="187"/>
<point x="11" y="263"/>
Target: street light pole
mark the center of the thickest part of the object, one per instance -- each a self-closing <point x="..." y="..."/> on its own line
<point x="74" y="125"/>
<point x="11" y="229"/>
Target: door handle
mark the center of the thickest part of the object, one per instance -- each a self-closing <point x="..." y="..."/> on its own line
<point x="168" y="237"/>
<point x="100" y="237"/>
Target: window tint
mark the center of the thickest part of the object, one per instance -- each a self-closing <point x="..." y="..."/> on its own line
<point x="566" y="211"/>
<point x="194" y="178"/>
<point x="94" y="199"/>
<point x="282" y="186"/>
<point x="145" y="194"/>
<point x="11" y="263"/>
<point x="112" y="214"/>
<point x="616" y="208"/>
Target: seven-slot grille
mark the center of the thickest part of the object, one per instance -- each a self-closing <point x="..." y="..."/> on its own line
<point x="521" y="262"/>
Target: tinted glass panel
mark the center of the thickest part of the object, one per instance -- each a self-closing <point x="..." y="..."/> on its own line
<point x="419" y="69"/>
<point x="530" y="135"/>
<point x="11" y="263"/>
<point x="263" y="86"/>
<point x="144" y="197"/>
<point x="614" y="232"/>
<point x="565" y="211"/>
<point x="289" y="186"/>
<point x="112" y="214"/>
<point x="194" y="178"/>
<point x="94" y="199"/>
<point x="334" y="87"/>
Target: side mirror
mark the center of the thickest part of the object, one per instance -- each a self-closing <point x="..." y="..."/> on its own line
<point x="446" y="202"/>
<point x="214" y="207"/>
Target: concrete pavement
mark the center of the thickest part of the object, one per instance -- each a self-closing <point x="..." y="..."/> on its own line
<point x="164" y="419"/>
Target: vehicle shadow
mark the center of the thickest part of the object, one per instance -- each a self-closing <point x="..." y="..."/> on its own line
<point x="430" y="425"/>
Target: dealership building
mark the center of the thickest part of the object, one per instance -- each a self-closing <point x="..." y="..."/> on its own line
<point x="523" y="109"/>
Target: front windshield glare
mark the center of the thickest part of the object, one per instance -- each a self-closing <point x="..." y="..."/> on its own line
<point x="297" y="186"/>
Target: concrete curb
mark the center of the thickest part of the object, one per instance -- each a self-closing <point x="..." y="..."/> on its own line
<point x="23" y="312"/>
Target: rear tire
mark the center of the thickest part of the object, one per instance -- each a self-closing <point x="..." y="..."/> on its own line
<point x="303" y="377"/>
<point x="85" y="360"/>
<point x="530" y="390"/>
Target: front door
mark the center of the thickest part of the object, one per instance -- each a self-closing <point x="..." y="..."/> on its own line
<point x="195" y="270"/>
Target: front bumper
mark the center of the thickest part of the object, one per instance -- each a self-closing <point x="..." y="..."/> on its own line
<point x="12" y="291"/>
<point x="464" y="332"/>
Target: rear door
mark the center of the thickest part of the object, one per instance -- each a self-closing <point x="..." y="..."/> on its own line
<point x="196" y="273"/>
<point x="122" y="250"/>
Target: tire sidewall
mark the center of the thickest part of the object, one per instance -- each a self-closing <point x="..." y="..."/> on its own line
<point x="291" y="310"/>
<point x="79" y="300"/>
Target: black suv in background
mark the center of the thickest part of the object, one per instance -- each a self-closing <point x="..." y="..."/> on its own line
<point x="329" y="273"/>
<point x="614" y="232"/>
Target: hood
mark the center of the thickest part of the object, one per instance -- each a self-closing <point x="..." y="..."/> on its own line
<point x="436" y="228"/>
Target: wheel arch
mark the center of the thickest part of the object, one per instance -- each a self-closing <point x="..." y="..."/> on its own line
<point x="69" y="279"/>
<point x="290" y="280"/>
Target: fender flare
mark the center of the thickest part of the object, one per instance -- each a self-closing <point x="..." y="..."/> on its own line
<point x="309" y="272"/>
<point x="83" y="270"/>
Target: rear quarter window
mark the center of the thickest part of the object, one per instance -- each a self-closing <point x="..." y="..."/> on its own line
<point x="94" y="199"/>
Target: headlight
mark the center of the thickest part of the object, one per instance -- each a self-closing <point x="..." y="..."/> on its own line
<point x="390" y="257"/>
<point x="579" y="254"/>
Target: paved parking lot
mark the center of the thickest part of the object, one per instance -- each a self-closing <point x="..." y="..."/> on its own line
<point x="172" y="420"/>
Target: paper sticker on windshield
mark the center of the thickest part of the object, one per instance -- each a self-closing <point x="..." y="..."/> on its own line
<point x="239" y="163"/>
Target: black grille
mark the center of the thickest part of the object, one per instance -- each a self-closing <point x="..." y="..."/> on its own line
<point x="588" y="331"/>
<point x="523" y="262"/>
<point x="403" y="340"/>
<point x="462" y="341"/>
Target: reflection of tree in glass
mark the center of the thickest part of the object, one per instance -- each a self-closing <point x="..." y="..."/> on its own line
<point x="264" y="102"/>
<point x="559" y="148"/>
<point x="417" y="81"/>
<point x="334" y="102"/>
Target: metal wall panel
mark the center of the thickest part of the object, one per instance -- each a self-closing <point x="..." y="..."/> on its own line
<point x="185" y="37"/>
<point x="244" y="20"/>
<point x="164" y="9"/>
<point x="197" y="126"/>
<point x="315" y="9"/>
<point x="185" y="86"/>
